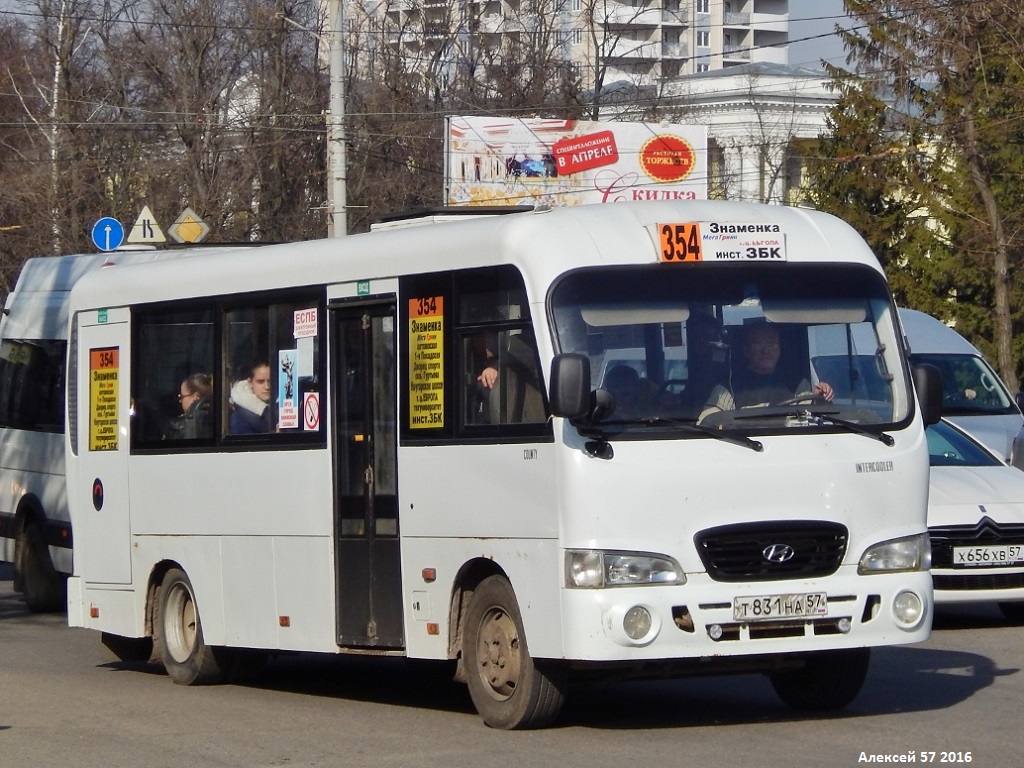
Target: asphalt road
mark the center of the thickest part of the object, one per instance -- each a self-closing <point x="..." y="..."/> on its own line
<point x="64" y="702"/>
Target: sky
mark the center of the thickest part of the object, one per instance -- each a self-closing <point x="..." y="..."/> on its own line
<point x="815" y="19"/>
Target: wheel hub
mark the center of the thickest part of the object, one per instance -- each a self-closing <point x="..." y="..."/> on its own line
<point x="499" y="653"/>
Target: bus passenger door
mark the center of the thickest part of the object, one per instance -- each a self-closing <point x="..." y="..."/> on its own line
<point x="369" y="572"/>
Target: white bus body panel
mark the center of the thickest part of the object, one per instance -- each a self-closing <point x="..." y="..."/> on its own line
<point x="653" y="496"/>
<point x="32" y="465"/>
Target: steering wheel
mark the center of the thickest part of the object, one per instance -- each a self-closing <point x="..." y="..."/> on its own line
<point x="805" y="398"/>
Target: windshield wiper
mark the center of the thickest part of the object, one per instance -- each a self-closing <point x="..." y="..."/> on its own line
<point x="820" y="416"/>
<point x="596" y="431"/>
<point x="859" y="429"/>
<point x="697" y="429"/>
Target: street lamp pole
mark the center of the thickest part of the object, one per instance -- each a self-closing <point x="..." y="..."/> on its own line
<point x="336" y="159"/>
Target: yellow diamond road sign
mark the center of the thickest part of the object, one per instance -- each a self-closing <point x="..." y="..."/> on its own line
<point x="188" y="227"/>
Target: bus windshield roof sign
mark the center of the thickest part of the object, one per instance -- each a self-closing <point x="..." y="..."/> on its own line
<point x="721" y="241"/>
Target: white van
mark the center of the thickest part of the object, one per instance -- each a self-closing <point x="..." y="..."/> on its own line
<point x="35" y="529"/>
<point x="974" y="397"/>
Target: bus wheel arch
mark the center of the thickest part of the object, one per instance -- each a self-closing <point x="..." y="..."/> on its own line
<point x="469" y="576"/>
<point x="509" y="688"/>
<point x="178" y="634"/>
<point x="156" y="578"/>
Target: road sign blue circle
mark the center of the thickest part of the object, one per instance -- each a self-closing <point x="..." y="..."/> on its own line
<point x="107" y="234"/>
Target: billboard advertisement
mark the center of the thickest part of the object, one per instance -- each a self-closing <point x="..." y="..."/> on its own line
<point x="533" y="161"/>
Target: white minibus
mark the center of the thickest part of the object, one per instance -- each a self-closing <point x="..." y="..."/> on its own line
<point x="974" y="397"/>
<point x="410" y="448"/>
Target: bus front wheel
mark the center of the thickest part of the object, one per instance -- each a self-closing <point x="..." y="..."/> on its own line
<point x="509" y="688"/>
<point x="828" y="680"/>
<point x="178" y="635"/>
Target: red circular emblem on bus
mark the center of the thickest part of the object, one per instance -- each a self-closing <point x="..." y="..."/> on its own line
<point x="667" y="158"/>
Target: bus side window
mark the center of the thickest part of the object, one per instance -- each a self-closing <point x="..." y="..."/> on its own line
<point x="518" y="394"/>
<point x="271" y="361"/>
<point x="172" y="381"/>
<point x="502" y="381"/>
<point x="32" y="384"/>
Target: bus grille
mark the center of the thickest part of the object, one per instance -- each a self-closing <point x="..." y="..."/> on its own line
<point x="794" y="549"/>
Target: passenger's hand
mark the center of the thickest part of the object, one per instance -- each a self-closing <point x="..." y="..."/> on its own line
<point x="488" y="376"/>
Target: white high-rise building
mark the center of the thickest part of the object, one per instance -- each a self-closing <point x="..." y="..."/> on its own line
<point x="642" y="42"/>
<point x="647" y="41"/>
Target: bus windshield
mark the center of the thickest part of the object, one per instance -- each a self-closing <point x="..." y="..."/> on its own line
<point x="734" y="347"/>
<point x="970" y="386"/>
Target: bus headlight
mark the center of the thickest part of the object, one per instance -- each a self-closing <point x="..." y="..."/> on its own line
<point x="594" y="569"/>
<point x="913" y="553"/>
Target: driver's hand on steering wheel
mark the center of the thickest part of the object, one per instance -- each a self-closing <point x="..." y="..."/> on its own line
<point x="824" y="389"/>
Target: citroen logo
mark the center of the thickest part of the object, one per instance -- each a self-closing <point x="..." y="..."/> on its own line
<point x="778" y="553"/>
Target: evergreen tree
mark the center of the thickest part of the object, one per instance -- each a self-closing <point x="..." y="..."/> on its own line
<point x="955" y="74"/>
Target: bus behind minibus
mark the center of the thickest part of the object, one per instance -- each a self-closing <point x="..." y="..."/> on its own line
<point x="35" y="527"/>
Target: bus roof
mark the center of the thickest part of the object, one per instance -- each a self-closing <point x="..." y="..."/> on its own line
<point x="37" y="307"/>
<point x="542" y="243"/>
<point x="927" y="335"/>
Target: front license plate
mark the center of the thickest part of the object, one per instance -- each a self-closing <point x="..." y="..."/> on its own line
<point x="998" y="554"/>
<point x="769" y="607"/>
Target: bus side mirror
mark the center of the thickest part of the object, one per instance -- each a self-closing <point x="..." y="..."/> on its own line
<point x="928" y="383"/>
<point x="570" y="385"/>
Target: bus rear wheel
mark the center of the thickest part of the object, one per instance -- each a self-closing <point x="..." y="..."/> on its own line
<point x="41" y="585"/>
<point x="509" y="688"/>
<point x="828" y="680"/>
<point x="178" y="635"/>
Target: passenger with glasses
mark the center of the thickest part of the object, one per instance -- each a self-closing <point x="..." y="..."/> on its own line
<point x="194" y="395"/>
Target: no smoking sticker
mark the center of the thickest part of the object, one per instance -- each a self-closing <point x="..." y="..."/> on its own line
<point x="311" y="411"/>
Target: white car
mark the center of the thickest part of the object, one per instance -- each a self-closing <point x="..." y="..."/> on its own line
<point x="976" y="523"/>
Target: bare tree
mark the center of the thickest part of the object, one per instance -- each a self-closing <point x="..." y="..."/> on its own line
<point x="55" y="93"/>
<point x="610" y="27"/>
<point x="23" y="199"/>
<point x="282" y="136"/>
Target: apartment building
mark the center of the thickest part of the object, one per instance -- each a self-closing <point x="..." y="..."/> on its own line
<point x="649" y="41"/>
<point x="642" y="42"/>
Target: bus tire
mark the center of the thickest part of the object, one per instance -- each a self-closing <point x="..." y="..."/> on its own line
<point x="178" y="635"/>
<point x="828" y="680"/>
<point x="42" y="587"/>
<point x="509" y="688"/>
<point x="1012" y="612"/>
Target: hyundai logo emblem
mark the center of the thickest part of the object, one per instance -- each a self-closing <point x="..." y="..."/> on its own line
<point x="778" y="553"/>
